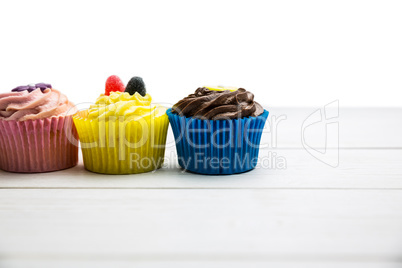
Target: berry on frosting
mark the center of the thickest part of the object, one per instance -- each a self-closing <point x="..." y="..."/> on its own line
<point x="114" y="84"/>
<point x="136" y="84"/>
<point x="32" y="87"/>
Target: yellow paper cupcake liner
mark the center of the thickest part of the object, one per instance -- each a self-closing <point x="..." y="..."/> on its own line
<point x="120" y="146"/>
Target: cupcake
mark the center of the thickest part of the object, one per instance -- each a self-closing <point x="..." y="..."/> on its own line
<point x="218" y="130"/>
<point x="37" y="133"/>
<point x="123" y="132"/>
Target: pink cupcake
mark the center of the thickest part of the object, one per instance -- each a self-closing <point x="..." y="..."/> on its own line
<point x="37" y="133"/>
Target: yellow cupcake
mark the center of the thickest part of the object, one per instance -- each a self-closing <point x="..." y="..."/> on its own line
<point x="122" y="134"/>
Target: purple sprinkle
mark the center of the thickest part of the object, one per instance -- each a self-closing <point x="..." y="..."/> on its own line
<point x="43" y="86"/>
<point x="20" y="88"/>
<point x="32" y="87"/>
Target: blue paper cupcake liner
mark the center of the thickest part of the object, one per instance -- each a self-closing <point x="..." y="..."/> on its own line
<point x="217" y="147"/>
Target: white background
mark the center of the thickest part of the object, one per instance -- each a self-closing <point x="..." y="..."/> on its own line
<point x="289" y="53"/>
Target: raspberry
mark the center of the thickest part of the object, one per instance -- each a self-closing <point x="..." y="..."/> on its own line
<point x="114" y="84"/>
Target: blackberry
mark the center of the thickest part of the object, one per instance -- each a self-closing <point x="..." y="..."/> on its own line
<point x="136" y="84"/>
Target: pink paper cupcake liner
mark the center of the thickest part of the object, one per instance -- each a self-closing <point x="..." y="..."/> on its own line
<point x="40" y="145"/>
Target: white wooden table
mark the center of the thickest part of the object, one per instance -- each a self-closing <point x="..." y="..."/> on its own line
<point x="307" y="214"/>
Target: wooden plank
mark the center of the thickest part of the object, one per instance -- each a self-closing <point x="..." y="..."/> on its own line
<point x="358" y="128"/>
<point x="363" y="169"/>
<point x="352" y="225"/>
<point x="107" y="263"/>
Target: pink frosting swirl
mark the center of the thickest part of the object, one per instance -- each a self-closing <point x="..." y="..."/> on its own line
<point x="22" y="106"/>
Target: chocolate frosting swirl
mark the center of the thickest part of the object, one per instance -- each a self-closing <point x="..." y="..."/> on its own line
<point x="215" y="105"/>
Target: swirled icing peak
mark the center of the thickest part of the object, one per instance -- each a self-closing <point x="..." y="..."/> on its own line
<point x="124" y="104"/>
<point x="218" y="104"/>
<point x="37" y="104"/>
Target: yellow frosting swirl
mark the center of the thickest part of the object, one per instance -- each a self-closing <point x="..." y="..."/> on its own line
<point x="123" y="104"/>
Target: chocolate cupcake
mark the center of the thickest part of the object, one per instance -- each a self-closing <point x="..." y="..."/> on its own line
<point x="218" y="131"/>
